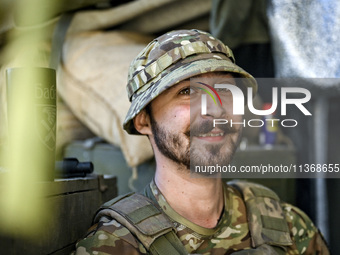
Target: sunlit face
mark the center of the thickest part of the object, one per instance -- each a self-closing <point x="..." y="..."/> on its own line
<point x="183" y="134"/>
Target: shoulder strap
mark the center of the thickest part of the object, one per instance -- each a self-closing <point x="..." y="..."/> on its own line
<point x="144" y="219"/>
<point x="267" y="224"/>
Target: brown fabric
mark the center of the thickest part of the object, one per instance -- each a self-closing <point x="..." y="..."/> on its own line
<point x="92" y="81"/>
<point x="144" y="16"/>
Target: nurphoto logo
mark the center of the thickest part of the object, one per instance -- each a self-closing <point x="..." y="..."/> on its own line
<point x="238" y="103"/>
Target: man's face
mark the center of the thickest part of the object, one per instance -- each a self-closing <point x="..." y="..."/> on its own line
<point x="183" y="134"/>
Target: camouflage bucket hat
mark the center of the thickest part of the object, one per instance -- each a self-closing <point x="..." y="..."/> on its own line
<point x="174" y="57"/>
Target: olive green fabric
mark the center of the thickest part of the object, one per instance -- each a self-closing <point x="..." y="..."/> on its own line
<point x="240" y="22"/>
<point x="139" y="215"/>
<point x="146" y="220"/>
<point x="267" y="223"/>
<point x="169" y="244"/>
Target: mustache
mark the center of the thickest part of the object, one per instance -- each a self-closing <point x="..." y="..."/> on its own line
<point x="205" y="126"/>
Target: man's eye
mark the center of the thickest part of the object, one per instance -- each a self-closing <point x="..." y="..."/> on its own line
<point x="222" y="89"/>
<point x="186" y="91"/>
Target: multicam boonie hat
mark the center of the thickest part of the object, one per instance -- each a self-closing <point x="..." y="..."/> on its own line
<point x="174" y="57"/>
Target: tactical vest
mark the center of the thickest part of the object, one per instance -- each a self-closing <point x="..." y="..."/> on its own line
<point x="153" y="228"/>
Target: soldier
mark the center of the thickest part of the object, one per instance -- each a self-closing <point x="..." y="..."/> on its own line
<point x="178" y="214"/>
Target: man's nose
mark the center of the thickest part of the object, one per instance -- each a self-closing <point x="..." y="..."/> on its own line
<point x="214" y="109"/>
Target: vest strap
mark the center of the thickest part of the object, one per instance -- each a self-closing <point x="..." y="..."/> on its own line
<point x="267" y="224"/>
<point x="143" y="218"/>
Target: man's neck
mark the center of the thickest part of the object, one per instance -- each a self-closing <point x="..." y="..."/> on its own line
<point x="199" y="200"/>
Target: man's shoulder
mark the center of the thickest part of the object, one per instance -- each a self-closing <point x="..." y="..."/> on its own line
<point x="109" y="237"/>
<point x="302" y="229"/>
<point x="306" y="236"/>
<point x="130" y="222"/>
<point x="266" y="222"/>
<point x="298" y="218"/>
<point x="262" y="202"/>
<point x="250" y="192"/>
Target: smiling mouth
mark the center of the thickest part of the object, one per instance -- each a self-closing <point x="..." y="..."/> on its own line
<point x="211" y="134"/>
<point x="215" y="132"/>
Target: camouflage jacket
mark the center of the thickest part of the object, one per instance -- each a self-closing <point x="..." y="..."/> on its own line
<point x="231" y="234"/>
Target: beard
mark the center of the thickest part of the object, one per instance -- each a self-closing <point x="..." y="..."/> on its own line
<point x="213" y="154"/>
<point x="180" y="149"/>
<point x="172" y="145"/>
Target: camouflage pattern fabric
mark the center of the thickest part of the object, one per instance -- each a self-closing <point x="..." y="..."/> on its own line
<point x="174" y="57"/>
<point x="230" y="236"/>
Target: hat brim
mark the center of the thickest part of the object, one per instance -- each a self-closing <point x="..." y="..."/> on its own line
<point x="180" y="72"/>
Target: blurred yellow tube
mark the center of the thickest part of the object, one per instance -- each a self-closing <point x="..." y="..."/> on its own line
<point x="29" y="159"/>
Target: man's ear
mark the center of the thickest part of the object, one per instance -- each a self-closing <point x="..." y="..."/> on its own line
<point x="142" y="123"/>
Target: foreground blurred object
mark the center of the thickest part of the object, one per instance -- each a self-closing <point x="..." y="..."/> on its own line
<point x="30" y="158"/>
<point x="31" y="114"/>
<point x="31" y="94"/>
